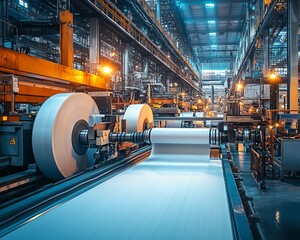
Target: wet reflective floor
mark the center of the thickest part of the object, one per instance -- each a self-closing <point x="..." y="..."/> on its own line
<point x="278" y="206"/>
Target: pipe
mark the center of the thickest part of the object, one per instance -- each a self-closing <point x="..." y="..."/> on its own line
<point x="129" y="137"/>
<point x="126" y="65"/>
<point x="12" y="103"/>
<point x="158" y="10"/>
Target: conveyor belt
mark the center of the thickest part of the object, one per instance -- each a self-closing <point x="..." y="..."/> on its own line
<point x="152" y="200"/>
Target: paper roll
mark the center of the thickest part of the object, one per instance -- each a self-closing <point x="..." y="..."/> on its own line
<point x="180" y="144"/>
<point x="52" y="134"/>
<point x="138" y="116"/>
<point x="180" y="136"/>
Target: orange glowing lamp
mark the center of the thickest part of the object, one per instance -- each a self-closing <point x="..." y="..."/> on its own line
<point x="107" y="70"/>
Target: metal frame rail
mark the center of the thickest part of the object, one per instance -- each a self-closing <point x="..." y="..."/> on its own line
<point x="246" y="223"/>
<point x="260" y="27"/>
<point x="166" y="35"/>
<point x="110" y="10"/>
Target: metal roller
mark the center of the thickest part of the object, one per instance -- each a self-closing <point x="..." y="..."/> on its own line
<point x="55" y="137"/>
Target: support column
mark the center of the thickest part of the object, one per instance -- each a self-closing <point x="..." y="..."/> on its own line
<point x="66" y="38"/>
<point x="200" y="71"/>
<point x="94" y="43"/>
<point x="266" y="103"/>
<point x="3" y="17"/>
<point x="266" y="53"/>
<point x="292" y="55"/>
<point x="252" y="23"/>
<point x="168" y="85"/>
<point x="149" y="93"/>
<point x="212" y="97"/>
<point x="274" y="95"/>
<point x="248" y="19"/>
<point x="145" y="66"/>
<point x="251" y="65"/>
<point x="126" y="64"/>
<point x="158" y="10"/>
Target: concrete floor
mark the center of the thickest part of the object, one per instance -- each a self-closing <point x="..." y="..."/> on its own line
<point x="278" y="206"/>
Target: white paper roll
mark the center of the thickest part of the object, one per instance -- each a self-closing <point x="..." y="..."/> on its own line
<point x="137" y="116"/>
<point x="180" y="144"/>
<point x="180" y="135"/>
<point x="52" y="134"/>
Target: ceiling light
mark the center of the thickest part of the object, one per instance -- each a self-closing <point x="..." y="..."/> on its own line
<point x="211" y="22"/>
<point x="212" y="34"/>
<point x="273" y="76"/>
<point x="209" y="5"/>
<point x="106" y="70"/>
<point x="239" y="86"/>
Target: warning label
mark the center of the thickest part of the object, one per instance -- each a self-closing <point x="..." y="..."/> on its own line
<point x="12" y="141"/>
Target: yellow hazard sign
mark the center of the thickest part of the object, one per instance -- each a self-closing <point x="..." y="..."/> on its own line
<point x="12" y="141"/>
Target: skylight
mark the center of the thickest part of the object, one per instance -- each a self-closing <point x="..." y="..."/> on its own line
<point x="209" y="5"/>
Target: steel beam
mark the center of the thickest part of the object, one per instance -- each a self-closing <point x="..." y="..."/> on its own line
<point x="198" y="2"/>
<point x="262" y="26"/>
<point x="199" y="44"/>
<point x="3" y="17"/>
<point x="215" y="51"/>
<point x="123" y="25"/>
<point x="216" y="29"/>
<point x="292" y="31"/>
<point x="158" y="10"/>
<point x="94" y="42"/>
<point x="194" y="20"/>
<point x="126" y="64"/>
<point x="24" y="65"/>
<point x="266" y="51"/>
<point x="66" y="38"/>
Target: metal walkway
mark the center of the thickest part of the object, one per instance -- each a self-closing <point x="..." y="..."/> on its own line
<point x="278" y="207"/>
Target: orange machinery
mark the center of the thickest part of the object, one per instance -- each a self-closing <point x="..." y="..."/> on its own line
<point x="38" y="79"/>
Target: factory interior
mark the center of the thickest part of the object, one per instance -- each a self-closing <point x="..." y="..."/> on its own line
<point x="149" y="119"/>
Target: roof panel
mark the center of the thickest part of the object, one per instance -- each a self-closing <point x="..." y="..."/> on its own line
<point x="228" y="17"/>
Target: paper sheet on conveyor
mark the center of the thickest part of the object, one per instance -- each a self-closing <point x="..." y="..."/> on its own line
<point x="177" y="193"/>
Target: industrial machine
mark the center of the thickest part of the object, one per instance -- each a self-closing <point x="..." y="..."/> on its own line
<point x="76" y="136"/>
<point x="79" y="148"/>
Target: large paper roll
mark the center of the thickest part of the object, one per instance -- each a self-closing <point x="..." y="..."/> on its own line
<point x="137" y="117"/>
<point x="52" y="134"/>
<point x="180" y="144"/>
